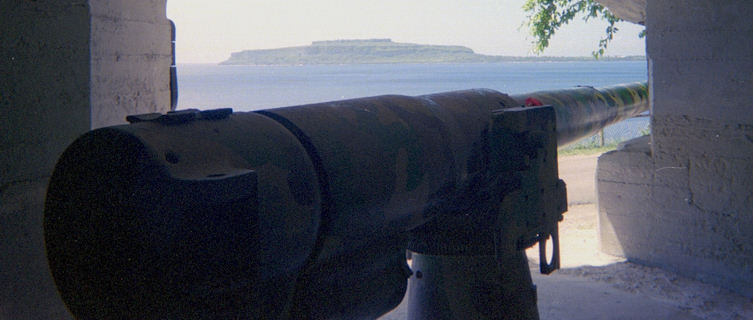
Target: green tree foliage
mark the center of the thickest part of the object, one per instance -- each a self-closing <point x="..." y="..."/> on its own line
<point x="545" y="17"/>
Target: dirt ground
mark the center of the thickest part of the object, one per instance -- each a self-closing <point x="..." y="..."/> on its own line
<point x="578" y="174"/>
<point x="593" y="285"/>
<point x="610" y="279"/>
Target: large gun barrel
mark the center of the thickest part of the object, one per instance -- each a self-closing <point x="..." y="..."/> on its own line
<point x="306" y="211"/>
<point x="583" y="111"/>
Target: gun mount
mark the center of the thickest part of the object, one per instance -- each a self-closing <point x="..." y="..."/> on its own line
<point x="306" y="212"/>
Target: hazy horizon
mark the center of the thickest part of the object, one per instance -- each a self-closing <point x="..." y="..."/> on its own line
<point x="208" y="32"/>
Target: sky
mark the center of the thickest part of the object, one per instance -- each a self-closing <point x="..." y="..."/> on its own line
<point x="208" y="31"/>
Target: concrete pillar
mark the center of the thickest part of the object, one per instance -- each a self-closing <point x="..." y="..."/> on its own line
<point x="65" y="67"/>
<point x="684" y="202"/>
<point x="130" y="59"/>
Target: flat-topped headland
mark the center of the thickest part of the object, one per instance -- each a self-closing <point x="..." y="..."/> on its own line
<point x="377" y="51"/>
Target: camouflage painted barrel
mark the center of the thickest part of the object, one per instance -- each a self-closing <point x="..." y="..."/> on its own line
<point x="232" y="214"/>
<point x="583" y="111"/>
<point x="387" y="160"/>
<point x="298" y="212"/>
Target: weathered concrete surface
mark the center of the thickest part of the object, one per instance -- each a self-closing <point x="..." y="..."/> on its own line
<point x="28" y="289"/>
<point x="630" y="10"/>
<point x="44" y="92"/>
<point x="130" y="60"/>
<point x="685" y="217"/>
<point x="44" y="81"/>
<point x="66" y="66"/>
<point x="623" y="178"/>
<point x="685" y="203"/>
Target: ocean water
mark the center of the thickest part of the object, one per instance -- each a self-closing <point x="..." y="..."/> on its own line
<point x="248" y="88"/>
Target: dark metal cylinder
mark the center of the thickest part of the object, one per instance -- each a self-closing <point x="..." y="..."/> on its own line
<point x="583" y="111"/>
<point x="471" y="287"/>
<point x="389" y="159"/>
<point x="209" y="214"/>
<point x="175" y="219"/>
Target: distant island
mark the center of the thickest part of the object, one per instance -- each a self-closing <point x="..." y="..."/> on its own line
<point x="380" y="51"/>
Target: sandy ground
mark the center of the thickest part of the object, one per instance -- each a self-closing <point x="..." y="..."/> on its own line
<point x="615" y="289"/>
<point x="593" y="285"/>
<point x="578" y="172"/>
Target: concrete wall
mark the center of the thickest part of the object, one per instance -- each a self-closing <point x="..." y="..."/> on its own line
<point x="61" y="64"/>
<point x="131" y="56"/>
<point x="630" y="10"/>
<point x="44" y="105"/>
<point x="684" y="202"/>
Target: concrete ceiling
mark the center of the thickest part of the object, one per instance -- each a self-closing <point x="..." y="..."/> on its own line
<point x="630" y="10"/>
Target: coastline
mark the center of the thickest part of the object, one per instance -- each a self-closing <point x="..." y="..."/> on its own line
<point x="544" y="59"/>
<point x="384" y="51"/>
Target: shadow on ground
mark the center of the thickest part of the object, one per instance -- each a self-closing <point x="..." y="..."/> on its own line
<point x="593" y="285"/>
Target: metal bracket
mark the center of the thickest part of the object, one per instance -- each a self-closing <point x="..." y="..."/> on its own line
<point x="180" y="116"/>
<point x="547" y="267"/>
<point x="526" y="146"/>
